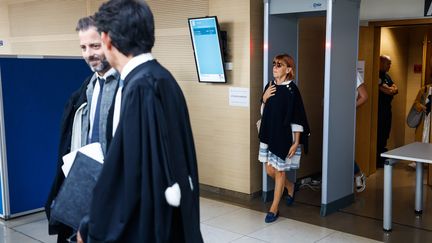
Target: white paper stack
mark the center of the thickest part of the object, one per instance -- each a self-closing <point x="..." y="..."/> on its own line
<point x="93" y="150"/>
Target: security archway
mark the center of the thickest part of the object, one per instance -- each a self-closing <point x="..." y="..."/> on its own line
<point x="281" y="34"/>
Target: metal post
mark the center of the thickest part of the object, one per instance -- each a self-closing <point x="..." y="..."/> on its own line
<point x="387" y="217"/>
<point x="419" y="188"/>
<point x="265" y="182"/>
<point x="4" y="183"/>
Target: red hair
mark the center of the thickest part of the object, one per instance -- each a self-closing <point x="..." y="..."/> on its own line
<point x="289" y="61"/>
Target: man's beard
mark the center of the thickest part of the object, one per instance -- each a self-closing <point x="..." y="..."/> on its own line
<point x="103" y="66"/>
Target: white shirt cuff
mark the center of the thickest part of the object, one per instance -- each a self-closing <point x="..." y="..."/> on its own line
<point x="296" y="127"/>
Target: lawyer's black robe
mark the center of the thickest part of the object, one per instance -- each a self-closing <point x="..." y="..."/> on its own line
<point x="77" y="98"/>
<point x="74" y="102"/>
<point x="154" y="131"/>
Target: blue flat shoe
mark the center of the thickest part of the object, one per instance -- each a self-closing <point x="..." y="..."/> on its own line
<point x="290" y="199"/>
<point x="271" y="217"/>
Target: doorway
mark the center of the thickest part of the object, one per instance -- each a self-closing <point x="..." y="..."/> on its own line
<point x="408" y="44"/>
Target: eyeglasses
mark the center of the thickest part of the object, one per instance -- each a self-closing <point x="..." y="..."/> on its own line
<point x="278" y="64"/>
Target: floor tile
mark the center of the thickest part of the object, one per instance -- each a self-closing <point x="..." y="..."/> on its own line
<point x="210" y="209"/>
<point x="291" y="231"/>
<point x="215" y="235"/>
<point x="369" y="203"/>
<point x="247" y="239"/>
<point x="5" y="231"/>
<point x="340" y="237"/>
<point x="11" y="236"/>
<point x="23" y="219"/>
<point x="225" y="222"/>
<point x="37" y="230"/>
<point x="243" y="221"/>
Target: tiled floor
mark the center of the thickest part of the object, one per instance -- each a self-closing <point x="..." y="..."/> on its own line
<point x="220" y="222"/>
<point x="364" y="217"/>
<point x="229" y="219"/>
<point x="27" y="229"/>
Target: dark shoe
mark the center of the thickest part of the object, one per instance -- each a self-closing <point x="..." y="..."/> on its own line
<point x="271" y="217"/>
<point x="290" y="199"/>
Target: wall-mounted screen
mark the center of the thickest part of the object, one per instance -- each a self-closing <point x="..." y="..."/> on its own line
<point x="207" y="48"/>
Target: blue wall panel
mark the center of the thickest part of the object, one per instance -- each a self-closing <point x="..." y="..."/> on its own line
<point x="34" y="94"/>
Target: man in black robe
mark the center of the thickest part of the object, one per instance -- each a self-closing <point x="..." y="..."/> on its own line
<point x="77" y="113"/>
<point x="76" y="100"/>
<point x="148" y="189"/>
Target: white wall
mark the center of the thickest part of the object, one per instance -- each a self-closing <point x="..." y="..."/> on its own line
<point x="391" y="9"/>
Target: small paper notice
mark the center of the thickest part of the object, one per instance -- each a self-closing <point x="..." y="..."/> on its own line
<point x="239" y="96"/>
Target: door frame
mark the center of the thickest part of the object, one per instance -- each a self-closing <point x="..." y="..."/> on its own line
<point x="373" y="74"/>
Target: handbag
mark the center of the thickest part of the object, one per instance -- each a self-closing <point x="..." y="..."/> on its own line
<point x="294" y="161"/>
<point x="258" y="123"/>
<point x="414" y="117"/>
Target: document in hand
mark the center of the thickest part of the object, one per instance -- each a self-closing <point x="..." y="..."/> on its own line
<point x="93" y="150"/>
<point x="73" y="200"/>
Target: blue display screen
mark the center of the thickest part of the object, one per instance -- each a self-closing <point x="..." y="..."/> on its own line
<point x="207" y="49"/>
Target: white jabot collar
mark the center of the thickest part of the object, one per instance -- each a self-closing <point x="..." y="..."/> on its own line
<point x="135" y="62"/>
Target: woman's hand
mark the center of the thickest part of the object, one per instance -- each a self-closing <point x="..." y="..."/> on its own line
<point x="420" y="107"/>
<point x="292" y="150"/>
<point x="269" y="92"/>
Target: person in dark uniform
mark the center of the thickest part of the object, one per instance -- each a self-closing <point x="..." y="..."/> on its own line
<point x="387" y="89"/>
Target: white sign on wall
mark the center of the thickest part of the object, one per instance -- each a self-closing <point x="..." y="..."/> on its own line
<point x="239" y="96"/>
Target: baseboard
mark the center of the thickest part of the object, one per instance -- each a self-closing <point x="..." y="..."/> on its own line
<point x="229" y="193"/>
<point x="334" y="206"/>
<point x="268" y="196"/>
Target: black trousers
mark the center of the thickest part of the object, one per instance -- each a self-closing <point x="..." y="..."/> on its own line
<point x="383" y="132"/>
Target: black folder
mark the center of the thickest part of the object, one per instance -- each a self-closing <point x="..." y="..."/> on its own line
<point x="73" y="200"/>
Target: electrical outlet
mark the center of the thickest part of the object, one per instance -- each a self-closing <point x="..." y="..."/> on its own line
<point x="229" y="66"/>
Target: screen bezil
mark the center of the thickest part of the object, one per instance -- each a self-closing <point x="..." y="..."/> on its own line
<point x="206" y="45"/>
